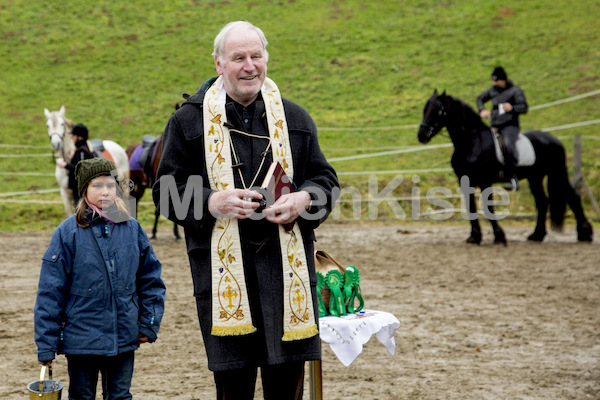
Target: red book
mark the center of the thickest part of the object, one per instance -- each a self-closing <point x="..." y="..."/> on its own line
<point x="277" y="183"/>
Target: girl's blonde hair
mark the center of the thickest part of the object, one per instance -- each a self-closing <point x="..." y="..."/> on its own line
<point x="84" y="205"/>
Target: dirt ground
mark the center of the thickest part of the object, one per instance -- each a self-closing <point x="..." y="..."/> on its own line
<point x="477" y="322"/>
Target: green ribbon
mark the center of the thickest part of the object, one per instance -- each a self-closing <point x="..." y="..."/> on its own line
<point x="320" y="285"/>
<point x="355" y="294"/>
<point x="335" y="281"/>
<point x="348" y="286"/>
<point x="356" y="291"/>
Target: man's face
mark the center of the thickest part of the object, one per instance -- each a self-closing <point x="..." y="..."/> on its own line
<point x="500" y="83"/>
<point x="243" y="66"/>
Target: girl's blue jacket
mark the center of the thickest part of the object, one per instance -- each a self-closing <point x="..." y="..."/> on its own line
<point x="99" y="288"/>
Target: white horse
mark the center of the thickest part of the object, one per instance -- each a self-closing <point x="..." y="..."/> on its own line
<point x="58" y="127"/>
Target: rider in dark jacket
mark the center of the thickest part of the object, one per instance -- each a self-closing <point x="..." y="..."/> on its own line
<point x="508" y="102"/>
<point x="80" y="135"/>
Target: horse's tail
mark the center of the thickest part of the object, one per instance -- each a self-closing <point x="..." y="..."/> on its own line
<point x="558" y="186"/>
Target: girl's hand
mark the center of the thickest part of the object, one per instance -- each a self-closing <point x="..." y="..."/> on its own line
<point x="143" y="339"/>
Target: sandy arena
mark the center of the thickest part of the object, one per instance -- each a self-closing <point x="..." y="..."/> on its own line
<point x="478" y="322"/>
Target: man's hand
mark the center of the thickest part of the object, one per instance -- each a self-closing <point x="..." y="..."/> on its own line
<point x="484" y="114"/>
<point x="287" y="208"/>
<point x="143" y="339"/>
<point x="234" y="203"/>
<point x="507" y="107"/>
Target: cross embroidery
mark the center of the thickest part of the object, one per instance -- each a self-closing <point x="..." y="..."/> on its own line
<point x="298" y="299"/>
<point x="229" y="294"/>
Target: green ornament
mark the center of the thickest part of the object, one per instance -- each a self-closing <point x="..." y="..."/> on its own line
<point x="335" y="282"/>
<point x="356" y="276"/>
<point x="356" y="292"/>
<point x="320" y="285"/>
<point x="348" y="285"/>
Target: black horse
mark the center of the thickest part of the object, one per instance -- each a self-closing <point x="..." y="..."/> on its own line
<point x="474" y="157"/>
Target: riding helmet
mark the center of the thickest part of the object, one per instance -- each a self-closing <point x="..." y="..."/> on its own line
<point x="80" y="130"/>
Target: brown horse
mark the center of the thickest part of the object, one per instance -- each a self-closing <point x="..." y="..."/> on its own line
<point x="145" y="177"/>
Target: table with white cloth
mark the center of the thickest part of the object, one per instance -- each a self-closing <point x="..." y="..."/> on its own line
<point x="346" y="336"/>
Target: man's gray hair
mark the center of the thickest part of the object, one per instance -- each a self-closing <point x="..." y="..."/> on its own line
<point x="222" y="37"/>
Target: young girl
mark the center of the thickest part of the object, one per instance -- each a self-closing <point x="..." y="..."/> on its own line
<point x="100" y="293"/>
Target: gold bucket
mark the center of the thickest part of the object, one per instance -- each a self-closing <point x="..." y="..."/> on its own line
<point x="48" y="389"/>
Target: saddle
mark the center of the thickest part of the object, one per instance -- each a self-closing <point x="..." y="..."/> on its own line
<point x="148" y="153"/>
<point x="143" y="156"/>
<point x="525" y="151"/>
<point x="98" y="149"/>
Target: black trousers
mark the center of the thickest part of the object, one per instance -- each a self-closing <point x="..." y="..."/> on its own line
<point x="509" y="135"/>
<point x="117" y="372"/>
<point x="280" y="382"/>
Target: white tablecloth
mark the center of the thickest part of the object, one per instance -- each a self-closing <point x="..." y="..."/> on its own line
<point x="346" y="335"/>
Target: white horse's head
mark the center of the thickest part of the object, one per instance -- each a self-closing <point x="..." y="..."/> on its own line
<point x="58" y="126"/>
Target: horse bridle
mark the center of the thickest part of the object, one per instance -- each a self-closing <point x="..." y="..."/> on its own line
<point x="432" y="129"/>
<point x="61" y="136"/>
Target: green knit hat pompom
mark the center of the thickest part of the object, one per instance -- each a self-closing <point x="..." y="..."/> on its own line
<point x="86" y="170"/>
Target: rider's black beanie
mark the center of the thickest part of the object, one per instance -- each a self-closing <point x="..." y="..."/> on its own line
<point x="499" y="73"/>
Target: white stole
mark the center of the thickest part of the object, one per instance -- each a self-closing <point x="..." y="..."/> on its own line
<point x="230" y="306"/>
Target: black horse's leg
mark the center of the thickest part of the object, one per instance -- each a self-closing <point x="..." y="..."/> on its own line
<point x="541" y="203"/>
<point x="155" y="228"/>
<point x="585" y="233"/>
<point x="475" y="237"/>
<point x="176" y="231"/>
<point x="499" y="237"/>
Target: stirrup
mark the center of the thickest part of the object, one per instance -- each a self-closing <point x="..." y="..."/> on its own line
<point x="512" y="185"/>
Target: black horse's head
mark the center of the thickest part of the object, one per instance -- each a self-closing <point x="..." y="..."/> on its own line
<point x="434" y="117"/>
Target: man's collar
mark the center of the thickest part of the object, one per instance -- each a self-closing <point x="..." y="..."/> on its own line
<point x="240" y="107"/>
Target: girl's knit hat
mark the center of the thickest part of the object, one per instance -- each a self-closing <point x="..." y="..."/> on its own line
<point x="86" y="170"/>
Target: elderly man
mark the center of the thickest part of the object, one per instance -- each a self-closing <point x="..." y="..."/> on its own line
<point x="253" y="271"/>
<point x="508" y="102"/>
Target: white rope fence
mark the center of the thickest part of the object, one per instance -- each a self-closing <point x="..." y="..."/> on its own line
<point x="23" y="193"/>
<point x="554" y="103"/>
<point x="27" y="173"/>
<point x="25" y="155"/>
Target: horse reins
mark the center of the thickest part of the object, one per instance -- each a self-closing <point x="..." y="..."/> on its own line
<point x="61" y="137"/>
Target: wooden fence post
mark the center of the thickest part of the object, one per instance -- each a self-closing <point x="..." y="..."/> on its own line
<point x="578" y="178"/>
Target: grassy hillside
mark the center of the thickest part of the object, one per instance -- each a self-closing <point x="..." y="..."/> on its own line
<point x="363" y="70"/>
